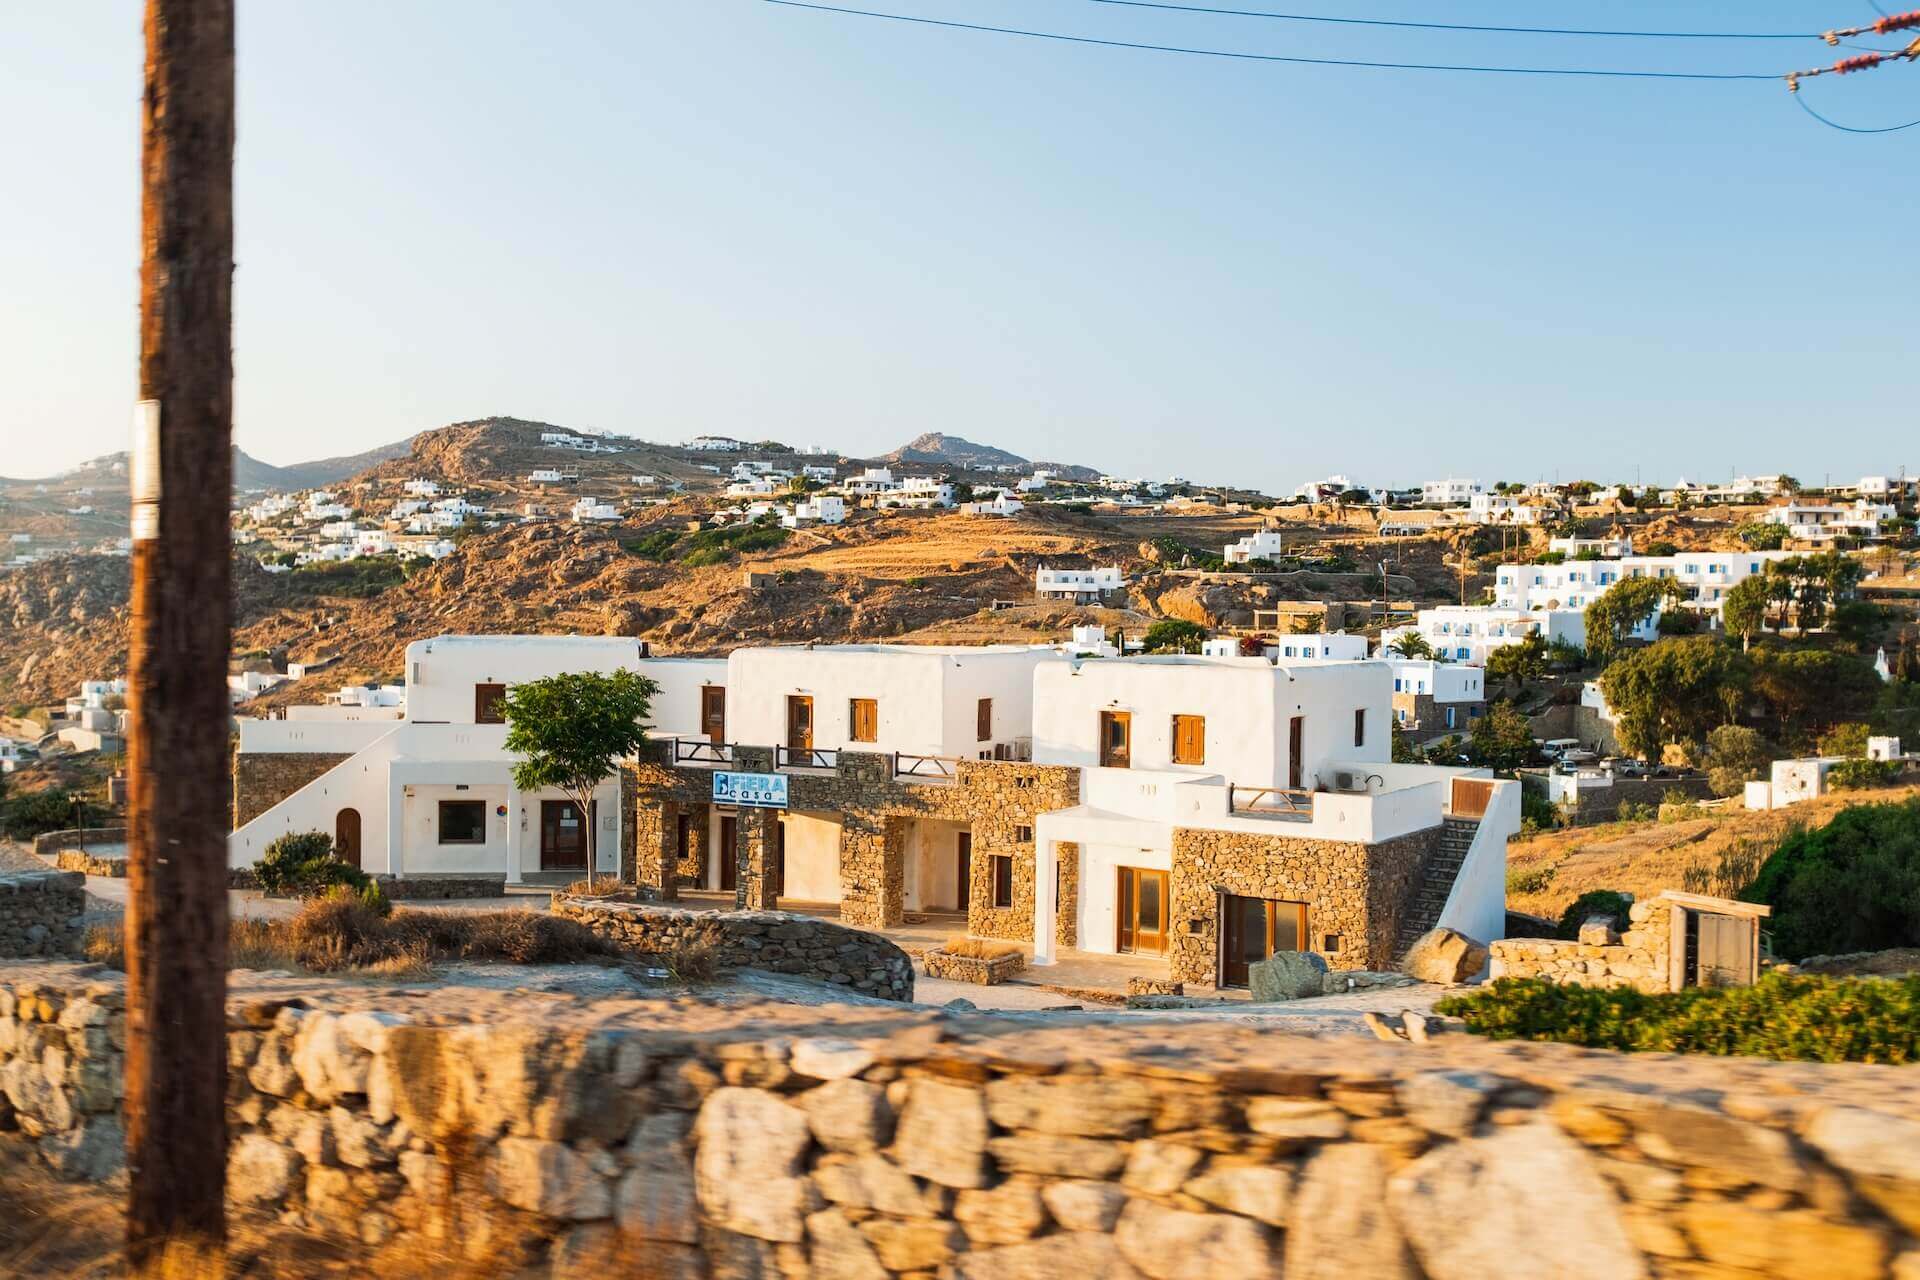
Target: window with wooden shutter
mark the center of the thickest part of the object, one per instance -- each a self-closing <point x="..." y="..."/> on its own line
<point x="487" y="700"/>
<point x="983" y="719"/>
<point x="1189" y="739"/>
<point x="863" y="718"/>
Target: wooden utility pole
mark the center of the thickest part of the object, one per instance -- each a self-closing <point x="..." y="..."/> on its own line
<point x="182" y="465"/>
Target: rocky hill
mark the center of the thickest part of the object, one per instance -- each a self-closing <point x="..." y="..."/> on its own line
<point x="935" y="449"/>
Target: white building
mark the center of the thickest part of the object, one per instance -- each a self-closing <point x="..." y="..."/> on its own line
<point x="716" y="444"/>
<point x="1267" y="544"/>
<point x="921" y="492"/>
<point x="1081" y="586"/>
<point x="1824" y="522"/>
<point x="1449" y="492"/>
<point x="1334" y="646"/>
<point x="1608" y="548"/>
<point x="1501" y="508"/>
<point x="544" y="475"/>
<point x="1468" y="633"/>
<point x="758" y="487"/>
<point x="244" y="685"/>
<point x="822" y="509"/>
<point x="870" y="483"/>
<point x="422" y="488"/>
<point x="1887" y="488"/>
<point x="593" y="510"/>
<point x="434" y="793"/>
<point x="1575" y="584"/>
<point x="1001" y="504"/>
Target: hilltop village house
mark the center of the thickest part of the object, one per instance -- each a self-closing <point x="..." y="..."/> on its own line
<point x="1196" y="813"/>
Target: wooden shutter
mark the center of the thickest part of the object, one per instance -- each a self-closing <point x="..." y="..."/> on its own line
<point x="983" y="719"/>
<point x="863" y="716"/>
<point x="1189" y="739"/>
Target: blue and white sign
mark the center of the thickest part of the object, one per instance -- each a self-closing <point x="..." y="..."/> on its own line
<point x="753" y="790"/>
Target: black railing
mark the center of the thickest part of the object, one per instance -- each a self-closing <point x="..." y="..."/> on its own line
<point x="805" y="758"/>
<point x="1271" y="802"/>
<point x="930" y="768"/>
<point x="701" y="751"/>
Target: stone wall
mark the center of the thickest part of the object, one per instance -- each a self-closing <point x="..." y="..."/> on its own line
<point x="1352" y="890"/>
<point x="998" y="800"/>
<point x="40" y="913"/>
<point x="52" y="842"/>
<point x="701" y="1142"/>
<point x="776" y="941"/>
<point x="1641" y="957"/>
<point x="91" y="864"/>
<point x="262" y="779"/>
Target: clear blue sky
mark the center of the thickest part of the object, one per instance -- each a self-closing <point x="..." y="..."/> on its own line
<point x="680" y="216"/>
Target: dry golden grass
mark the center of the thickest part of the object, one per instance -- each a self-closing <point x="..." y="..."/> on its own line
<point x="978" y="948"/>
<point x="1646" y="858"/>
<point x="608" y="886"/>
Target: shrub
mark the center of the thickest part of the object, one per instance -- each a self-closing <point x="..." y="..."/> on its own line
<point x="1537" y="812"/>
<point x="33" y="813"/>
<point x="1735" y="756"/>
<point x="1529" y="880"/>
<point x="1845" y="740"/>
<point x="694" y="961"/>
<point x="653" y="546"/>
<point x="1174" y="635"/>
<point x="607" y="886"/>
<point x="1594" y="902"/>
<point x="302" y="864"/>
<point x="1636" y="811"/>
<point x="1787" y="1017"/>
<point x="977" y="948"/>
<point x="1851" y="775"/>
<point x="1852" y="885"/>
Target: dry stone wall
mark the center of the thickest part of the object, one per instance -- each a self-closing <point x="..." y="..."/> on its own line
<point x="53" y="842"/>
<point x="690" y="1141"/>
<point x="1354" y="892"/>
<point x="41" y="913"/>
<point x="776" y="941"/>
<point x="262" y="779"/>
<point x="1641" y="957"/>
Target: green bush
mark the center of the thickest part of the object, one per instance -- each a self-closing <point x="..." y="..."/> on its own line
<point x="1787" y="1017"/>
<point x="1174" y="635"/>
<point x="355" y="579"/>
<point x="1528" y="880"/>
<point x="1852" y="885"/>
<point x="1851" y="775"/>
<point x="302" y="864"/>
<point x="653" y="546"/>
<point x="1537" y="812"/>
<point x="1594" y="902"/>
<point x="33" y="813"/>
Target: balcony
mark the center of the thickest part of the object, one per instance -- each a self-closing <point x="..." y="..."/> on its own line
<point x="806" y="758"/>
<point x="1285" y="803"/>
<point x="926" y="768"/>
<point x="700" y="751"/>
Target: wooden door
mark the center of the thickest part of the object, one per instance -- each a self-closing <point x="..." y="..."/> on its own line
<point x="963" y="872"/>
<point x="563" y="836"/>
<point x="1116" y="739"/>
<point x="713" y="712"/>
<point x="1296" y="747"/>
<point x="799" y="723"/>
<point x="1142" y="911"/>
<point x="729" y="868"/>
<point x="1723" y="951"/>
<point x="346" y="836"/>
<point x="1253" y="929"/>
<point x="1470" y="797"/>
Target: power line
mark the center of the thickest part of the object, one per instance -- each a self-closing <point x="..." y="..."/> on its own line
<point x="1456" y="26"/>
<point x="1847" y="128"/>
<point x="1269" y="57"/>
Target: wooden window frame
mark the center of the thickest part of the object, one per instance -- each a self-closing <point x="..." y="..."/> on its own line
<point x="995" y="863"/>
<point x="1123" y="719"/>
<point x="1196" y="725"/>
<point x="1359" y="726"/>
<point x="486" y="708"/>
<point x="440" y="822"/>
<point x="983" y="720"/>
<point x="855" y="709"/>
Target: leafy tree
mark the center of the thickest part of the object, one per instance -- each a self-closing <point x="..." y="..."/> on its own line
<point x="1501" y="739"/>
<point x="1852" y="885"/>
<point x="1403" y="752"/>
<point x="1520" y="662"/>
<point x="1594" y="902"/>
<point x="1811" y="688"/>
<point x="1845" y="740"/>
<point x="33" y="813"/>
<point x="1762" y="536"/>
<point x="1622" y="609"/>
<point x="1744" y="611"/>
<point x="1174" y="635"/>
<point x="573" y="729"/>
<point x="1410" y="645"/>
<point x="1662" y="549"/>
<point x="1673" y="689"/>
<point x="1564" y="655"/>
<point x="1736" y="755"/>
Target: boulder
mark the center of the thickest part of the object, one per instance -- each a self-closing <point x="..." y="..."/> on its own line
<point x="1446" y="956"/>
<point x="1287" y="975"/>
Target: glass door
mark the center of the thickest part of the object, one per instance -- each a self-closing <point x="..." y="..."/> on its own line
<point x="1142" y="911"/>
<point x="1255" y="928"/>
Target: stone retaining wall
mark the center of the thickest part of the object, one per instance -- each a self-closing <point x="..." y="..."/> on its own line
<point x="776" y="941"/>
<point x="52" y="842"/>
<point x="1640" y="958"/>
<point x="40" y="913"/>
<point x="262" y="779"/>
<point x="91" y="864"/>
<point x="867" y="1144"/>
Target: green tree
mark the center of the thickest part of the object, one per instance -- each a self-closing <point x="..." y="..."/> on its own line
<point x="1809" y="689"/>
<point x="1736" y="755"/>
<point x="1518" y="663"/>
<point x="1410" y="645"/>
<point x="1622" y="609"/>
<point x="1678" y="688"/>
<point x="1744" y="611"/>
<point x="1762" y="536"/>
<point x="572" y="730"/>
<point x="1852" y="885"/>
<point x="1845" y="740"/>
<point x="1174" y="635"/>
<point x="1501" y="739"/>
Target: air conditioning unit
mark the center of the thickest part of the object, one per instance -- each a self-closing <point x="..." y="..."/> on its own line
<point x="1343" y="781"/>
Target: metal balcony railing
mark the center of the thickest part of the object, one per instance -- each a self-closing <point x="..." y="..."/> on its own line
<point x="1271" y="802"/>
<point x="927" y="768"/>
<point x="702" y="751"/>
<point x="805" y="758"/>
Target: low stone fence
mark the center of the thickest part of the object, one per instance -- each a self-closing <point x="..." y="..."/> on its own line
<point x="777" y="941"/>
<point x="78" y="838"/>
<point x="40" y="913"/>
<point x="1640" y="958"/>
<point x="91" y="864"/>
<point x="692" y="1140"/>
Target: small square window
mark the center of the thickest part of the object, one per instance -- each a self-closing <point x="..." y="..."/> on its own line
<point x="463" y="822"/>
<point x="1023" y="834"/>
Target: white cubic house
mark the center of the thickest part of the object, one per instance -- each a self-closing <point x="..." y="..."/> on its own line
<point x="1080" y="586"/>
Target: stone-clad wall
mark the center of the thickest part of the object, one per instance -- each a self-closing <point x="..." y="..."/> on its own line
<point x="51" y="842"/>
<point x="998" y="800"/>
<point x="1641" y="958"/>
<point x="869" y="1146"/>
<point x="1355" y="891"/>
<point x="40" y="913"/>
<point x="776" y="941"/>
<point x="262" y="779"/>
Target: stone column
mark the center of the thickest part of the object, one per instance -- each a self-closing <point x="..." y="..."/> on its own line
<point x="873" y="883"/>
<point x="652" y="864"/>
<point x="753" y="853"/>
